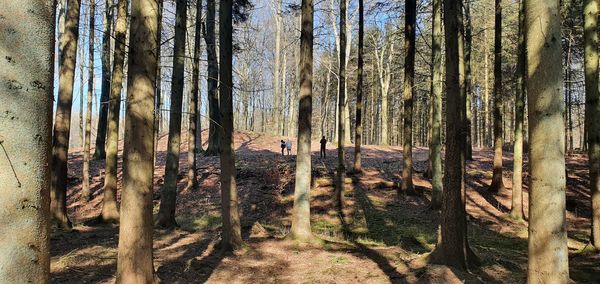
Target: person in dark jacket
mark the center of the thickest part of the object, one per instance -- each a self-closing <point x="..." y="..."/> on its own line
<point x="323" y="146"/>
<point x="282" y="147"/>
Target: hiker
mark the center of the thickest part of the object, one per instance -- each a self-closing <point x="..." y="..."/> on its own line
<point x="323" y="144"/>
<point x="288" y="145"/>
<point x="283" y="144"/>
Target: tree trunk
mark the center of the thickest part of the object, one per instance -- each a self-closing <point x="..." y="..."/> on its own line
<point x="468" y="77"/>
<point x="516" y="211"/>
<point x="134" y="262"/>
<point x="26" y="90"/>
<point x="278" y="98"/>
<point x="592" y="115"/>
<point x="497" y="183"/>
<point x="453" y="247"/>
<point x="548" y="259"/>
<point x="62" y="120"/>
<point x="85" y="187"/>
<point x="100" y="152"/>
<point x="358" y="129"/>
<point x="110" y="212"/>
<point x="341" y="168"/>
<point x="193" y="130"/>
<point x="158" y="98"/>
<point x="231" y="236"/>
<point x="212" y="81"/>
<point x="486" y="88"/>
<point x="408" y="98"/>
<point x="168" y="197"/>
<point x="435" y="147"/>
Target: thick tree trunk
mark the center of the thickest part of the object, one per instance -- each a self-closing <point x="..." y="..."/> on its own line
<point x="453" y="246"/>
<point x="301" y="215"/>
<point x="548" y="258"/>
<point x="62" y="120"/>
<point x="435" y="147"/>
<point x="358" y="129"/>
<point x="85" y="187"/>
<point x="134" y="263"/>
<point x="110" y="212"/>
<point x="497" y="181"/>
<point x="231" y="236"/>
<point x="194" y="111"/>
<point x="516" y="211"/>
<point x="100" y="152"/>
<point x="26" y="91"/>
<point x="408" y="97"/>
<point x="592" y="107"/>
<point x="341" y="167"/>
<point x="212" y="81"/>
<point x="168" y="197"/>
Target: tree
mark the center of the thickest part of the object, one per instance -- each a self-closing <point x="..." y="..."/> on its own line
<point x="341" y="168"/>
<point x="134" y="262"/>
<point x="62" y="119"/>
<point x="435" y="147"/>
<point x="516" y="211"/>
<point x="26" y="99"/>
<point x="168" y="197"/>
<point x="358" y="129"/>
<point x="301" y="215"/>
<point x="408" y="97"/>
<point x="100" y="152"/>
<point x="212" y="80"/>
<point x="231" y="236"/>
<point x="85" y="188"/>
<point x="548" y="254"/>
<point x="194" y="127"/>
<point x="277" y="96"/>
<point x="453" y="246"/>
<point x="158" y="98"/>
<point x="497" y="182"/>
<point x="468" y="76"/>
<point x="592" y="107"/>
<point x="110" y="212"/>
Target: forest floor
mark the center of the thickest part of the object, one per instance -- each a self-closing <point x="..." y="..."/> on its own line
<point x="384" y="238"/>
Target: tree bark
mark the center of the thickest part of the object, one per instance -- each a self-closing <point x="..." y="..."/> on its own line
<point x="212" y="81"/>
<point x="278" y="99"/>
<point x="341" y="167"/>
<point x="26" y="93"/>
<point x="468" y="77"/>
<point x="168" y="197"/>
<point x="408" y="97"/>
<point x="194" y="111"/>
<point x="358" y="129"/>
<point x="85" y="186"/>
<point x="134" y="262"/>
<point x="62" y="120"/>
<point x="497" y="183"/>
<point x="100" y="152"/>
<point x="435" y="152"/>
<point x="158" y="98"/>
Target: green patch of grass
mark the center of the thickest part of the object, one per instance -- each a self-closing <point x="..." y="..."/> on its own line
<point x="339" y="260"/>
<point x="208" y="221"/>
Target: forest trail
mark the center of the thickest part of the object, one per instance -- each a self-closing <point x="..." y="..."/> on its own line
<point x="383" y="238"/>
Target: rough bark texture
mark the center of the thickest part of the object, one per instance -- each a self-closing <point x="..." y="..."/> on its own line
<point x="62" y="119"/>
<point x="408" y="97"/>
<point x="110" y="212"/>
<point x="100" y="152"/>
<point x="453" y="247"/>
<point x="497" y="182"/>
<point x="134" y="263"/>
<point x="212" y="80"/>
<point x="548" y="259"/>
<point x="301" y="215"/>
<point x="435" y="147"/>
<point x="26" y="88"/>
<point x="231" y="236"/>
<point x="358" y="129"/>
<point x="168" y="196"/>
<point x="193" y="118"/>
<point x="85" y="187"/>
<point x="468" y="78"/>
<point x="516" y="211"/>
<point x="341" y="167"/>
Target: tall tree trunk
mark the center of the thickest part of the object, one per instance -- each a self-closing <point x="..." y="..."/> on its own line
<point x="435" y="147"/>
<point x="26" y="92"/>
<point x="168" y="197"/>
<point x="100" y="152"/>
<point x="453" y="246"/>
<point x="110" y="212"/>
<point x="468" y="77"/>
<point x="62" y="120"/>
<point x="212" y="81"/>
<point x="134" y="262"/>
<point x="278" y="98"/>
<point x="193" y="130"/>
<point x="301" y="215"/>
<point x="592" y="108"/>
<point x="358" y="129"/>
<point x="341" y="167"/>
<point x="497" y="183"/>
<point x="548" y="258"/>
<point x="486" y="87"/>
<point x="158" y="98"/>
<point x="85" y="187"/>
<point x="516" y="211"/>
<point x="408" y="98"/>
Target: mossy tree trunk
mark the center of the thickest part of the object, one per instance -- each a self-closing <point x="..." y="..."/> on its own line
<point x="435" y="147"/>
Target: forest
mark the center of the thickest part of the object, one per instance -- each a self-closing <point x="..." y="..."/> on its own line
<point x="299" y="141"/>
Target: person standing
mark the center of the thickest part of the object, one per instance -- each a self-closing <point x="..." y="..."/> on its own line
<point x="323" y="145"/>
<point x="288" y="146"/>
<point x="283" y="145"/>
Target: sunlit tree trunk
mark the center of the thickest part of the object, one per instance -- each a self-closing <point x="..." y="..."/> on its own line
<point x="194" y="111"/>
<point x="134" y="262"/>
<point x="468" y="77"/>
<point x="436" y="91"/>
<point x="278" y="98"/>
<point x="100" y="152"/>
<point x="497" y="182"/>
<point x="341" y="167"/>
<point x="26" y="92"/>
<point x="358" y="129"/>
<point x="408" y="97"/>
<point x="85" y="187"/>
